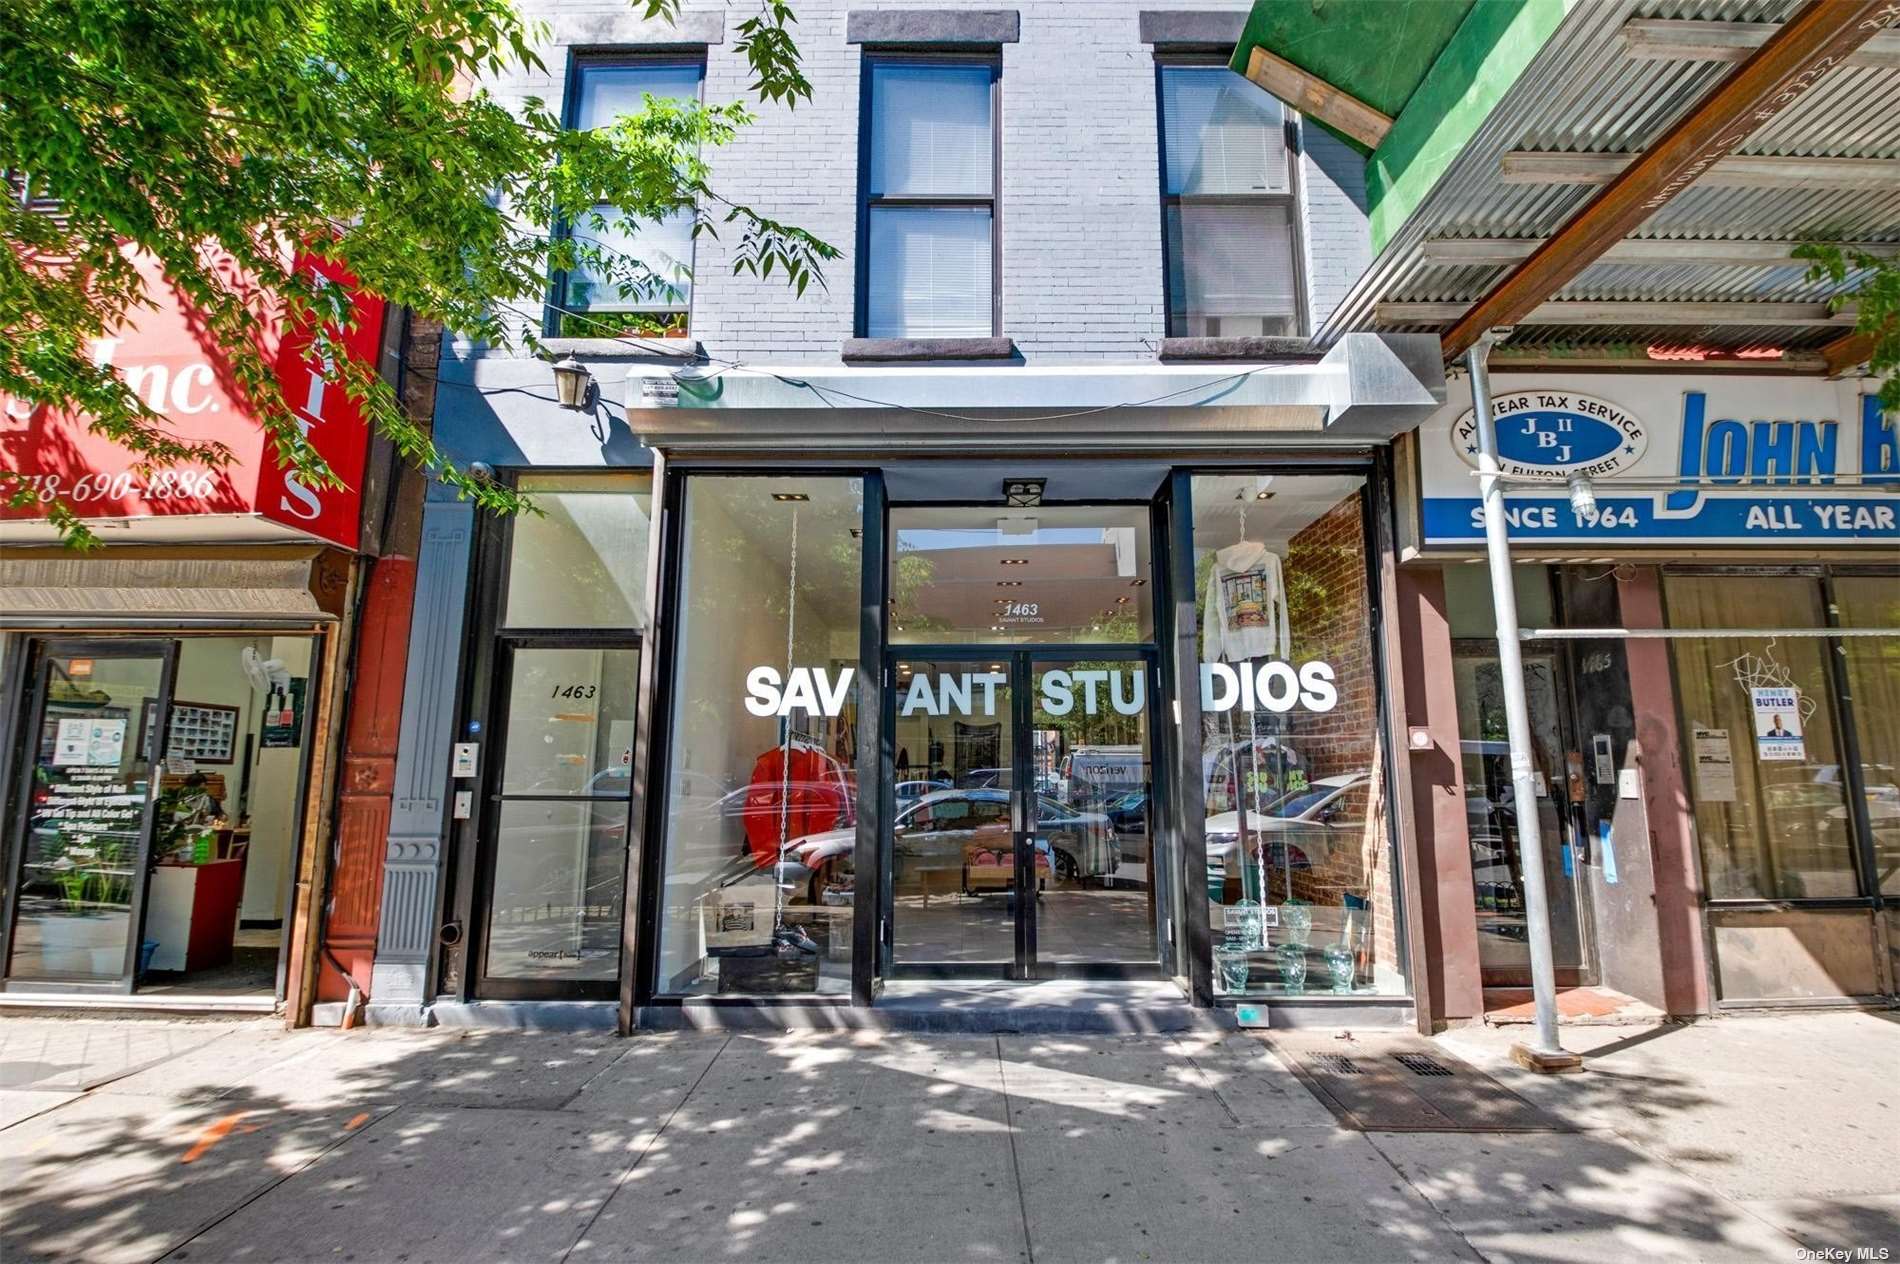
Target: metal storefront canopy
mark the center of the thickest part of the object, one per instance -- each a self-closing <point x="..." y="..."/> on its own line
<point x="1492" y="157"/>
<point x="272" y="584"/>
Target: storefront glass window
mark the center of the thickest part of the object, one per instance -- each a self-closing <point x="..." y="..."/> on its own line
<point x="1300" y="874"/>
<point x="1758" y="722"/>
<point x="581" y="561"/>
<point x="1044" y="575"/>
<point x="1873" y="679"/>
<point x="761" y="776"/>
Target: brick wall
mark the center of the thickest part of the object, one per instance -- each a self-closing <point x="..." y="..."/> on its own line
<point x="1337" y="246"/>
<point x="1331" y="612"/>
<point x="1080" y="197"/>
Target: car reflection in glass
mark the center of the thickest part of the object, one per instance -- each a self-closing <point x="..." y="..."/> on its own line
<point x="1300" y="828"/>
<point x="943" y="829"/>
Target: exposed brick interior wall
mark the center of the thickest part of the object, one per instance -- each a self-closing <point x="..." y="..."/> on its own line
<point x="1330" y="607"/>
<point x="1332" y="621"/>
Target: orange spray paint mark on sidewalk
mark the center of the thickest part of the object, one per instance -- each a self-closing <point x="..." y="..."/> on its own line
<point x="217" y="1132"/>
<point x="356" y="1122"/>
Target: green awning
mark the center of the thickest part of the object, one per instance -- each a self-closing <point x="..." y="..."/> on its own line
<point x="1436" y="67"/>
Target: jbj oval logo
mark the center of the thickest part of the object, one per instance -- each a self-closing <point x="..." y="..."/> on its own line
<point x="1555" y="435"/>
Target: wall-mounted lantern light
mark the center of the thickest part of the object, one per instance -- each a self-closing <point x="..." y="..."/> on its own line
<point x="572" y="384"/>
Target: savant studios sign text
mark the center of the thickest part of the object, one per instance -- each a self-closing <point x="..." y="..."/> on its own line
<point x="1265" y="686"/>
<point x="1716" y="460"/>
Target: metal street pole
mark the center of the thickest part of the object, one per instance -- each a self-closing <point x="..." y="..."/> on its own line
<point x="1544" y="1052"/>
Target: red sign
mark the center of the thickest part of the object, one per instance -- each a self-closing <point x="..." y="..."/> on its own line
<point x="166" y="356"/>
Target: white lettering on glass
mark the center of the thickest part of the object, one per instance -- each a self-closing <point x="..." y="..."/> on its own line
<point x="808" y="689"/>
<point x="1058" y="692"/>
<point x="1275" y="686"/>
<point x="1089" y="680"/>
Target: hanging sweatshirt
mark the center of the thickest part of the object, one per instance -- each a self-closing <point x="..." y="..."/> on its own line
<point x="1246" y="614"/>
<point x="811" y="787"/>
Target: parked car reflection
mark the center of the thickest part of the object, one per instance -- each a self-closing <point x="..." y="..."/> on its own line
<point x="1299" y="829"/>
<point x="947" y="830"/>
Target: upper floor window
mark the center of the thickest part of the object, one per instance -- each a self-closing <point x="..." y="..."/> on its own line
<point x="1227" y="206"/>
<point x="600" y="301"/>
<point x="927" y="226"/>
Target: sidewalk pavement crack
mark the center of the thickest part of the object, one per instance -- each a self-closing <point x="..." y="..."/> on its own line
<point x="1015" y="1160"/>
<point x="612" y="1062"/>
<point x="348" y="1136"/>
<point x="1207" y="1080"/>
<point x="1444" y="1217"/>
<point x="627" y="1175"/>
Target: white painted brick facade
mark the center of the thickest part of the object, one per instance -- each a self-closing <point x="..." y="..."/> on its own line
<point x="1080" y="210"/>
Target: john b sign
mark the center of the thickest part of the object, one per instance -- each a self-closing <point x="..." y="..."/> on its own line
<point x="1550" y="434"/>
<point x="1776" y="460"/>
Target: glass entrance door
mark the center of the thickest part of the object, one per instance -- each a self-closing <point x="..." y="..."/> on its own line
<point x="1497" y="871"/>
<point x="559" y="802"/>
<point x="1092" y="811"/>
<point x="83" y="825"/>
<point x="1021" y="842"/>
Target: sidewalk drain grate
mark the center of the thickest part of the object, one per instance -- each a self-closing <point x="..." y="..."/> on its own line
<point x="1389" y="1083"/>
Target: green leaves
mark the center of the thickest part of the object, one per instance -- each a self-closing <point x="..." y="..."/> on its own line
<point x="214" y="136"/>
<point x="766" y="41"/>
<point x="1874" y="288"/>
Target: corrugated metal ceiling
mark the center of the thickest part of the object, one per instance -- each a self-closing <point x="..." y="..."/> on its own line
<point x="1584" y="92"/>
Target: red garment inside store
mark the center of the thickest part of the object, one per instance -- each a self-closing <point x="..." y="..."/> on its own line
<point x="813" y="789"/>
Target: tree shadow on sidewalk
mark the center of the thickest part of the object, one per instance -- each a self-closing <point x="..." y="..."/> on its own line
<point x="386" y="1145"/>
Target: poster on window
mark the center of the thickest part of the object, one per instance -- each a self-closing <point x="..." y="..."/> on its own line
<point x="89" y="742"/>
<point x="1714" y="766"/>
<point x="1778" y="723"/>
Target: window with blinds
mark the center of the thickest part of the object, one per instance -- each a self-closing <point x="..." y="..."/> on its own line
<point x="929" y="199"/>
<point x="639" y="280"/>
<point x="1227" y="204"/>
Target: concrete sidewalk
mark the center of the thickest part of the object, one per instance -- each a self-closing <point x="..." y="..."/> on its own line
<point x="205" y="1141"/>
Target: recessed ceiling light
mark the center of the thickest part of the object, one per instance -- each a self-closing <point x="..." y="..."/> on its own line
<point x="1136" y="583"/>
<point x="857" y="533"/>
<point x="1263" y="495"/>
<point x="789" y="496"/>
<point x="1009" y="583"/>
<point x="1121" y="601"/>
<point x="1014" y="561"/>
<point x="996" y="667"/>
